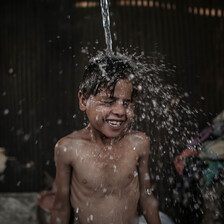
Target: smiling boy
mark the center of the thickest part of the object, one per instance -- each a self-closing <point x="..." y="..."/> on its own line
<point x="102" y="170"/>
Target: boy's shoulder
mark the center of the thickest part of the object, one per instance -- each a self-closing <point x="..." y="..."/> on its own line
<point x="140" y="141"/>
<point x="138" y="137"/>
<point x="75" y="137"/>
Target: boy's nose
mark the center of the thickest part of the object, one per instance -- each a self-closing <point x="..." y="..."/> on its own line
<point x="119" y="109"/>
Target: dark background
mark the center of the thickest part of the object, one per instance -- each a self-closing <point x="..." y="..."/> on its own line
<point x="45" y="45"/>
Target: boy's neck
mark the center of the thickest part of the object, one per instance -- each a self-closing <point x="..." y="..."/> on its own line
<point x="101" y="139"/>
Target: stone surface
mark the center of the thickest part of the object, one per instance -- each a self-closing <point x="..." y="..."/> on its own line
<point x="18" y="208"/>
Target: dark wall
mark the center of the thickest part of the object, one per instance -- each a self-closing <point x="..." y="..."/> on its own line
<point x="45" y="46"/>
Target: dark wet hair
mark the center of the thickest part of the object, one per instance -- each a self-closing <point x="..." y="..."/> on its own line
<point x="107" y="71"/>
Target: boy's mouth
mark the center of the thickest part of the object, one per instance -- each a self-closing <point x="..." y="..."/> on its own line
<point x="114" y="123"/>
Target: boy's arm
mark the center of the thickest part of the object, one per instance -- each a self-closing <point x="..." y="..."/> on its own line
<point x="61" y="207"/>
<point x="148" y="202"/>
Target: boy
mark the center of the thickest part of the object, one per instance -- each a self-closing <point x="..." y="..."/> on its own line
<point x="102" y="170"/>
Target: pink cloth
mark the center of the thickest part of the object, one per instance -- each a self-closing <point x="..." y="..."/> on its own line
<point x="46" y="199"/>
<point x="179" y="160"/>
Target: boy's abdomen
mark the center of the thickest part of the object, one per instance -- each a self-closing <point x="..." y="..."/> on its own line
<point x="116" y="205"/>
<point x="107" y="211"/>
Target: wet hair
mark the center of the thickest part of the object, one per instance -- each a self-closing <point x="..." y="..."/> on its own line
<point x="106" y="72"/>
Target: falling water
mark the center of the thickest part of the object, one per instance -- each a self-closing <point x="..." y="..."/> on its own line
<point x="106" y="25"/>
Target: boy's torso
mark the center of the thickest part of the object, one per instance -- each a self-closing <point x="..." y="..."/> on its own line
<point x="104" y="183"/>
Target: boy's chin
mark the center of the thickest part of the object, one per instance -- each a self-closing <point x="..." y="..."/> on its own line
<point x="114" y="135"/>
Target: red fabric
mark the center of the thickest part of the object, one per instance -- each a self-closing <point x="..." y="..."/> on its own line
<point x="179" y="160"/>
<point x="46" y="199"/>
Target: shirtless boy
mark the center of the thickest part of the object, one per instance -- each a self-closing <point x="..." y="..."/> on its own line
<point x="102" y="170"/>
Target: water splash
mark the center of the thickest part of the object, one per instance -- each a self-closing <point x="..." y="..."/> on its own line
<point x="162" y="112"/>
<point x="160" y="107"/>
<point x="106" y="25"/>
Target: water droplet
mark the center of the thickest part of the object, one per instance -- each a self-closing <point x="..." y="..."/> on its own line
<point x="58" y="220"/>
<point x="154" y="103"/>
<point x="196" y="206"/>
<point x="11" y="70"/>
<point x="115" y="168"/>
<point x="147" y="176"/>
<point x="171" y="180"/>
<point x="77" y="210"/>
<point x="131" y="76"/>
<point x="29" y="164"/>
<point x="59" y="122"/>
<point x="6" y="112"/>
<point x="139" y="87"/>
<point x="148" y="191"/>
<point x="20" y="111"/>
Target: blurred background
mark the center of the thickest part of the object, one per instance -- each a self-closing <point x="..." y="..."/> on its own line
<point x="45" y="45"/>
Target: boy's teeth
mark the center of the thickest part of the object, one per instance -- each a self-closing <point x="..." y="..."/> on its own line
<point x="115" y="123"/>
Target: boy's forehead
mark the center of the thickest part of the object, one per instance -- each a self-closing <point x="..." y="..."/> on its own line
<point x="105" y="92"/>
<point x="109" y="91"/>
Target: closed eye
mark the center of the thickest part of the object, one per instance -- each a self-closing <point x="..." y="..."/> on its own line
<point x="128" y="103"/>
<point x="108" y="102"/>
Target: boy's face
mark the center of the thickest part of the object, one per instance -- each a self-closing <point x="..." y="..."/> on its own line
<point x="110" y="113"/>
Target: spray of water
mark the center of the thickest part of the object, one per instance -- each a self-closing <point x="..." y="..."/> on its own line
<point x="161" y="109"/>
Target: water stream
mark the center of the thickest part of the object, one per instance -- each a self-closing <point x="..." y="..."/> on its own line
<point x="106" y="25"/>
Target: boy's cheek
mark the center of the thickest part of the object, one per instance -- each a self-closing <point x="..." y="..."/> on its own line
<point x="89" y="102"/>
<point x="101" y="112"/>
<point x="130" y="113"/>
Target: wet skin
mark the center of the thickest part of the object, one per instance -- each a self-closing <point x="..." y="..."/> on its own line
<point x="102" y="170"/>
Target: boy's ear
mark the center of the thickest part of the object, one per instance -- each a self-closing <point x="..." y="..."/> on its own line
<point x="82" y="101"/>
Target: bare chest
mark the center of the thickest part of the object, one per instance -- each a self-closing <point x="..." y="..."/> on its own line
<point x="106" y="170"/>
